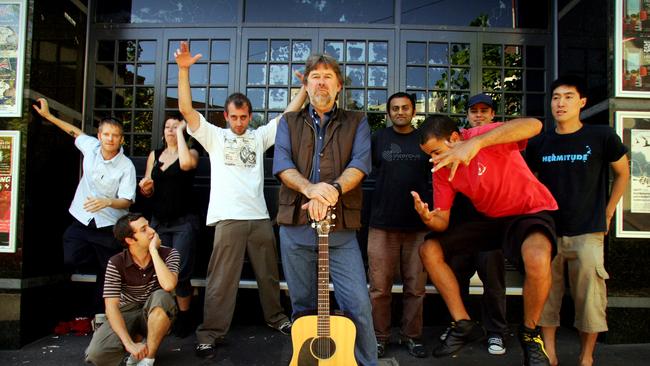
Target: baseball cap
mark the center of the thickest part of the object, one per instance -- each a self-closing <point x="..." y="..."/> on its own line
<point x="480" y="98"/>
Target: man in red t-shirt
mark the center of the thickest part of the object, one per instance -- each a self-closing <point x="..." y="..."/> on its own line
<point x="485" y="165"/>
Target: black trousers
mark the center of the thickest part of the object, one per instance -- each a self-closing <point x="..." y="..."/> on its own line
<point x="490" y="266"/>
<point x="88" y="249"/>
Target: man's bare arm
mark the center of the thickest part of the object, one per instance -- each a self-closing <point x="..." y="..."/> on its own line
<point x="462" y="152"/>
<point x="350" y="179"/>
<point x="116" y="320"/>
<point x="323" y="192"/>
<point x="166" y="278"/>
<point x="44" y="111"/>
<point x="185" y="60"/>
<point x="94" y="204"/>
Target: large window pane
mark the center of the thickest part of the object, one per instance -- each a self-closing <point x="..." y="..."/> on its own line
<point x="156" y="11"/>
<point x="477" y="13"/>
<point x="331" y="11"/>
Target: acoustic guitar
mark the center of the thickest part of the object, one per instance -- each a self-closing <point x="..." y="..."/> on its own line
<point x="323" y="339"/>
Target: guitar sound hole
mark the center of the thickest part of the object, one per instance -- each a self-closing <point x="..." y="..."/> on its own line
<point x="323" y="347"/>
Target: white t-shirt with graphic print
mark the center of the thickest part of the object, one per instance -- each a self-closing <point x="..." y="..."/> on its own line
<point x="237" y="170"/>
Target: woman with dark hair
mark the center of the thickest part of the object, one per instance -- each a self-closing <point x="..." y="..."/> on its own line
<point x="168" y="181"/>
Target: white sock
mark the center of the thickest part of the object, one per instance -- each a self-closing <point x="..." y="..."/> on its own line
<point x="146" y="362"/>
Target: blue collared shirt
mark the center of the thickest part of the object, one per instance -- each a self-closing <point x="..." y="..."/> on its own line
<point x="360" y="158"/>
<point x="282" y="160"/>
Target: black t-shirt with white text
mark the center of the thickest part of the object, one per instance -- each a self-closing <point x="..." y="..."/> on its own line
<point x="574" y="167"/>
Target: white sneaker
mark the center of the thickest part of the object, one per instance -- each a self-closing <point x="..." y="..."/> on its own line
<point x="131" y="361"/>
<point x="495" y="345"/>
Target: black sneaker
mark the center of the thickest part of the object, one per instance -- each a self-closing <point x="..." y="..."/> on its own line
<point x="462" y="332"/>
<point x="381" y="348"/>
<point x="415" y="347"/>
<point x="284" y="328"/>
<point x="205" y="350"/>
<point x="533" y="346"/>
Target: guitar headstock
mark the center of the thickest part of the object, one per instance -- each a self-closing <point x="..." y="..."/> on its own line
<point x="323" y="226"/>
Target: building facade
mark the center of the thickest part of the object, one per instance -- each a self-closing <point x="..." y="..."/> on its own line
<point x="92" y="58"/>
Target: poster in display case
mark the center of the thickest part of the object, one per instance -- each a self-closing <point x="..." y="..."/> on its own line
<point x="9" y="158"/>
<point x="12" y="56"/>
<point x="633" y="210"/>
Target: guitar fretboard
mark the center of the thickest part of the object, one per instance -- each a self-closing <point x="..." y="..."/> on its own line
<point x="323" y="287"/>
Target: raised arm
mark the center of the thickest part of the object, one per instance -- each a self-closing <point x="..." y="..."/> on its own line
<point x="299" y="100"/>
<point x="621" y="171"/>
<point x="166" y="278"/>
<point x="187" y="158"/>
<point x="44" y="110"/>
<point x="185" y="60"/>
<point x="462" y="152"/>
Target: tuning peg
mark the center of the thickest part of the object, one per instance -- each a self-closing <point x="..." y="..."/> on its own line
<point x="313" y="225"/>
<point x="333" y="216"/>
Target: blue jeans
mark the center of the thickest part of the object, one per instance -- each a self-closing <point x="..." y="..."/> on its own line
<point x="299" y="258"/>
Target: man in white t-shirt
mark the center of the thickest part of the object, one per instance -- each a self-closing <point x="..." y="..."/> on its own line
<point x="237" y="209"/>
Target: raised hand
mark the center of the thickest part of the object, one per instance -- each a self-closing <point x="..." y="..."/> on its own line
<point x="180" y="127"/>
<point x="44" y="109"/>
<point x="299" y="75"/>
<point x="154" y="244"/>
<point x="460" y="152"/>
<point x="183" y="57"/>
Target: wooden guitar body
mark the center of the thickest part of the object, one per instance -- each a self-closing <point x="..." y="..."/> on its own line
<point x="311" y="350"/>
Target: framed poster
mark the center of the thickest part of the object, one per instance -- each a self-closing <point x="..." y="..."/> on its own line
<point x="633" y="210"/>
<point x="12" y="56"/>
<point x="9" y="159"/>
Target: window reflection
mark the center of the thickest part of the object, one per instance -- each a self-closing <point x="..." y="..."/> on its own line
<point x="319" y="11"/>
<point x="378" y="76"/>
<point x="335" y="49"/>
<point x="301" y="50"/>
<point x="356" y="51"/>
<point x="278" y="98"/>
<point x="155" y="11"/>
<point x="477" y="13"/>
<point x="378" y="52"/>
<point x="279" y="50"/>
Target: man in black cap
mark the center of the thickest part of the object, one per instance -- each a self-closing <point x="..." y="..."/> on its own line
<point x="489" y="264"/>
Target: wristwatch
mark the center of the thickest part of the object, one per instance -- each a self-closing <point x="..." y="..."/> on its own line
<point x="338" y="188"/>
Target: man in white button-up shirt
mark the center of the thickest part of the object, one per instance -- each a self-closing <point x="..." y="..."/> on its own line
<point x="104" y="194"/>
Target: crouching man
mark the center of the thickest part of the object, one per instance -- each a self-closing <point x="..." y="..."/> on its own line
<point x="139" y="306"/>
